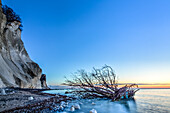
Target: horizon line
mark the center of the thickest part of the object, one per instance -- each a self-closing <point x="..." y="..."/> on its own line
<point x="125" y="84"/>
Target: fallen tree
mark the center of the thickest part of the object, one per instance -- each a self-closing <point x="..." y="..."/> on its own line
<point x="101" y="83"/>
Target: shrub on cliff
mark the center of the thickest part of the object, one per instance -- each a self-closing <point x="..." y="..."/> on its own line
<point x="11" y="15"/>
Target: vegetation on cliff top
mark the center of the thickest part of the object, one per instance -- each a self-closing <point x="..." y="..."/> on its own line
<point x="11" y="15"/>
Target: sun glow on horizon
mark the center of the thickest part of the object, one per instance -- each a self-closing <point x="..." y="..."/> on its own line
<point x="154" y="86"/>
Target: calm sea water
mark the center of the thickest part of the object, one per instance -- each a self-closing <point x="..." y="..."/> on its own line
<point x="145" y="101"/>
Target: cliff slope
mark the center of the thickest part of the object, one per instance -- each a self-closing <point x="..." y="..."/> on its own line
<point x="16" y="67"/>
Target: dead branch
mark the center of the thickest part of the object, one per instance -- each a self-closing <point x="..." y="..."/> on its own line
<point x="101" y="83"/>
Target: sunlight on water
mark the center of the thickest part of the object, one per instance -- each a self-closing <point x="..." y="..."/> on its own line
<point x="153" y="100"/>
<point x="145" y="101"/>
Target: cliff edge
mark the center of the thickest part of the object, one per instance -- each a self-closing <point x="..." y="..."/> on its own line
<point x="16" y="67"/>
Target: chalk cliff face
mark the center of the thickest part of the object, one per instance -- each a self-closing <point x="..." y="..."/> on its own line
<point x="16" y="67"/>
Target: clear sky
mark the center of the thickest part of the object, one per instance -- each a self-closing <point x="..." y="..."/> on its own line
<point x="132" y="36"/>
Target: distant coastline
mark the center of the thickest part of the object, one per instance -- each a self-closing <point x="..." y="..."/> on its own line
<point x="60" y="87"/>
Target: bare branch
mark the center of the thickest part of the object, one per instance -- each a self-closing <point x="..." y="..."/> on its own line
<point x="101" y="83"/>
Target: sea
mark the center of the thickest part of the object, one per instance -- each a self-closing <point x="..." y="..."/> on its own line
<point x="144" y="101"/>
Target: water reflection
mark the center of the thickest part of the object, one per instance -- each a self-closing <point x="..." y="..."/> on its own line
<point x="129" y="105"/>
<point x="106" y="106"/>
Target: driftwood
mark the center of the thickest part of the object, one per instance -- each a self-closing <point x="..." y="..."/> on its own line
<point x="101" y="83"/>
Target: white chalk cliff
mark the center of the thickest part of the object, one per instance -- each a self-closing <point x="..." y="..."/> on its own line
<point x="16" y="67"/>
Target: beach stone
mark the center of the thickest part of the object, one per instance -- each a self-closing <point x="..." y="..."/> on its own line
<point x="12" y="92"/>
<point x="3" y="92"/>
<point x="56" y="108"/>
<point x="93" y="103"/>
<point x="61" y="108"/>
<point x="66" y="104"/>
<point x="30" y="98"/>
<point x="72" y="108"/>
<point x="93" y="111"/>
<point x="80" y="103"/>
<point x="62" y="102"/>
<point x="67" y="97"/>
<point x="77" y="106"/>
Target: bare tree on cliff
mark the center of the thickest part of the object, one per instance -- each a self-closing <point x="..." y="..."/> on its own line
<point x="100" y="83"/>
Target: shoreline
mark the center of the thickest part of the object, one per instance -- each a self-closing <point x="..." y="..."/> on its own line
<point x="31" y="100"/>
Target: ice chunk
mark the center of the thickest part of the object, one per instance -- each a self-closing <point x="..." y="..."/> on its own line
<point x="93" y="111"/>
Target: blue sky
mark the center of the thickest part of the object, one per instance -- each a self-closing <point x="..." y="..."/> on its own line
<point x="132" y="36"/>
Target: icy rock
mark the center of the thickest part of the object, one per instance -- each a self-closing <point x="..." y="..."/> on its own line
<point x="61" y="107"/>
<point x="64" y="106"/>
<point x="67" y="98"/>
<point x="77" y="106"/>
<point x="72" y="108"/>
<point x="12" y="92"/>
<point x="93" y="103"/>
<point x="30" y="98"/>
<point x="3" y="92"/>
<point x="55" y="108"/>
<point x="93" y="111"/>
<point x="61" y="98"/>
<point x="62" y="102"/>
<point x="57" y="96"/>
<point x="80" y="103"/>
<point x="66" y="103"/>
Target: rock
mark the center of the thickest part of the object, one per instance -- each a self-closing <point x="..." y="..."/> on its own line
<point x="3" y="92"/>
<point x="62" y="102"/>
<point x="50" y="108"/>
<point x="67" y="98"/>
<point x="80" y="103"/>
<point x="77" y="106"/>
<point x="55" y="108"/>
<point x="30" y="98"/>
<point x="61" y="108"/>
<point x="93" y="111"/>
<point x="72" y="108"/>
<point x="66" y="103"/>
<point x="93" y="103"/>
<point x="12" y="92"/>
<point x="16" y="67"/>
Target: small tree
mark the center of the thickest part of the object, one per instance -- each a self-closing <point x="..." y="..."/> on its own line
<point x="100" y="83"/>
<point x="11" y="15"/>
